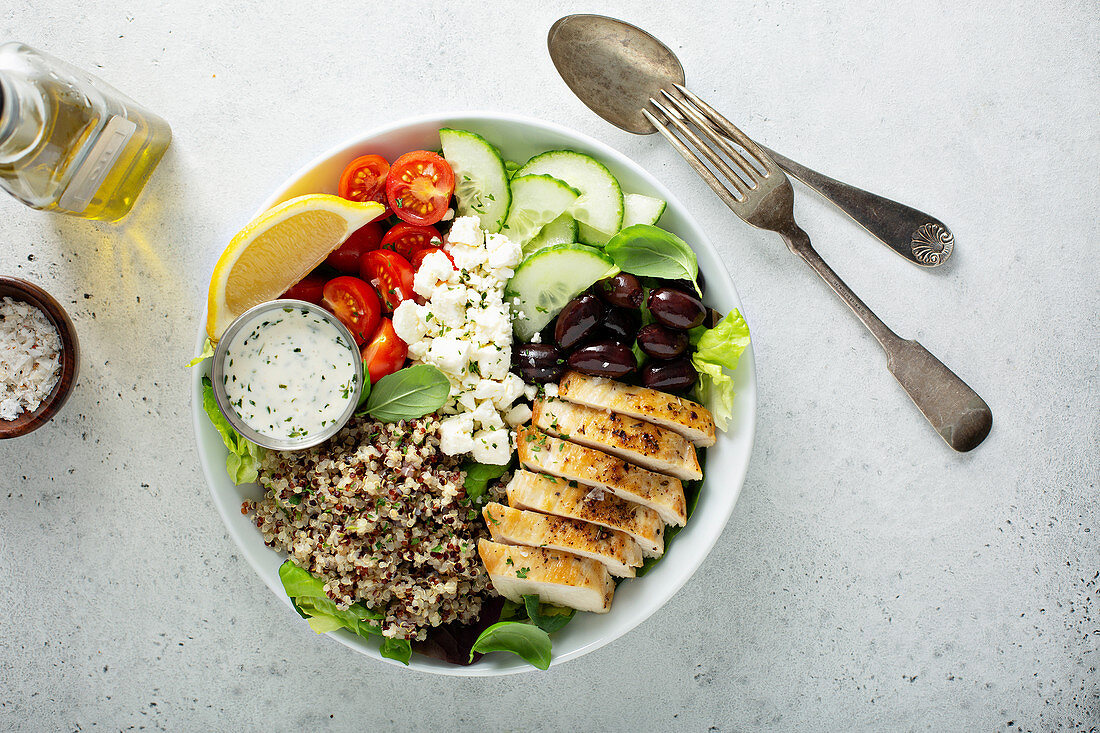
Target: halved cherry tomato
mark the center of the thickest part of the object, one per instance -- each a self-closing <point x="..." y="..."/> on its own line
<point x="365" y="180"/>
<point x="419" y="255"/>
<point x="355" y="303"/>
<point x="405" y="239"/>
<point x="310" y="289"/>
<point x="419" y="187"/>
<point x="385" y="353"/>
<point x="390" y="274"/>
<point x="345" y="258"/>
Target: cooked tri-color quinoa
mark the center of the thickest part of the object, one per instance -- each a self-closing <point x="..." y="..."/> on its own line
<point x="377" y="513"/>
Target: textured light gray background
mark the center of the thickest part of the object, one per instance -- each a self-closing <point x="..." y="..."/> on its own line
<point x="869" y="578"/>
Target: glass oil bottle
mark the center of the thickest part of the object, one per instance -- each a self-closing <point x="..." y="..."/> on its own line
<point x="69" y="142"/>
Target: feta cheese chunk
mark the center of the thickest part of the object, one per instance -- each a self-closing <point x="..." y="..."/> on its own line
<point x="449" y="354"/>
<point x="466" y="230"/>
<point x="493" y="446"/>
<point x="456" y="434"/>
<point x="518" y="415"/>
<point x="434" y="269"/>
<point x="408" y="321"/>
<point x="503" y="252"/>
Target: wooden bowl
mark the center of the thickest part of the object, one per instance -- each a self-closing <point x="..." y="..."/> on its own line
<point x="16" y="289"/>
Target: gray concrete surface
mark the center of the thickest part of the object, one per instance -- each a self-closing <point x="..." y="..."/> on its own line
<point x="869" y="578"/>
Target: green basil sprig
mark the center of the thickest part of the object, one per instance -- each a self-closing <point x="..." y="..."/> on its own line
<point x="478" y="476"/>
<point x="646" y="250"/>
<point x="527" y="640"/>
<point x="408" y="394"/>
<point x="546" y="617"/>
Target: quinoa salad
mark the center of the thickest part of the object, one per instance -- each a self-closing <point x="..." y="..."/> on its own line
<point x="377" y="513"/>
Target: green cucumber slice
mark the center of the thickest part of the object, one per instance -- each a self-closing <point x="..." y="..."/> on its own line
<point x="536" y="201"/>
<point x="562" y="230"/>
<point x="599" y="208"/>
<point x="640" y="209"/>
<point x="511" y="166"/>
<point x="481" y="182"/>
<point x="547" y="280"/>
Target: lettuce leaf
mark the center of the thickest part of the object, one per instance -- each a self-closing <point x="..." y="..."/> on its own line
<point x="717" y="349"/>
<point x="207" y="352"/>
<point x="478" y="476"/>
<point x="243" y="462"/>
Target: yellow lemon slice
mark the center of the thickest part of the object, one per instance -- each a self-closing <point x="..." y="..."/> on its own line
<point x="277" y="249"/>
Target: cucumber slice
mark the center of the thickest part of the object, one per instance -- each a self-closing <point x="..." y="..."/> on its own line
<point x="536" y="201"/>
<point x="510" y="167"/>
<point x="599" y="209"/>
<point x="481" y="182"/>
<point x="562" y="230"/>
<point x="639" y="209"/>
<point x="550" y="278"/>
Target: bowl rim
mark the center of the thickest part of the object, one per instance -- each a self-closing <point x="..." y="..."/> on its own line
<point x="746" y="397"/>
<point x="32" y="294"/>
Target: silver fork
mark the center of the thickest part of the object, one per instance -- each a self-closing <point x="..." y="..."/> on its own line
<point x="755" y="189"/>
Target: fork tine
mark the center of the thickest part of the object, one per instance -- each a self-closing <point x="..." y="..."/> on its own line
<point x="743" y="182"/>
<point x="693" y="160"/>
<point x="729" y="128"/>
<point x="712" y="133"/>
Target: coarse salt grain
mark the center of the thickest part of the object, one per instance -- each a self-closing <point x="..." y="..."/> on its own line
<point x="30" y="358"/>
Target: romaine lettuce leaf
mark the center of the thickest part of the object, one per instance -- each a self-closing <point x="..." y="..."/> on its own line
<point x="719" y="348"/>
<point x="243" y="461"/>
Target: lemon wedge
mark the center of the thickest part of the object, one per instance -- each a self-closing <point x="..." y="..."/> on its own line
<point x="277" y="249"/>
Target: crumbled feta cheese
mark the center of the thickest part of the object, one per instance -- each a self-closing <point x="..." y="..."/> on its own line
<point x="518" y="415"/>
<point x="468" y="257"/>
<point x="434" y="269"/>
<point x="550" y="389"/>
<point x="492" y="446"/>
<point x="449" y="354"/>
<point x="487" y="416"/>
<point x="408" y="321"/>
<point x="30" y="358"/>
<point x="449" y="305"/>
<point x="503" y="252"/>
<point x="466" y="230"/>
<point x="492" y="362"/>
<point x="456" y="434"/>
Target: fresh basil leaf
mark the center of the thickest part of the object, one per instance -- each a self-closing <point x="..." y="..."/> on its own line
<point x="243" y="462"/>
<point x="692" y="489"/>
<point x="399" y="649"/>
<point x="547" y="617"/>
<point x="511" y="610"/>
<point x="408" y="394"/>
<point x="366" y="387"/>
<point x="478" y="476"/>
<point x="526" y="640"/>
<point x="643" y="249"/>
<point x="207" y="352"/>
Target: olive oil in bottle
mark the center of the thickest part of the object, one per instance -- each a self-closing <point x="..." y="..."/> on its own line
<point x="69" y="142"/>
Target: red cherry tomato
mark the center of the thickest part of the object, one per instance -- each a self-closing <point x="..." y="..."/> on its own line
<point x="355" y="303"/>
<point x="419" y="187"/>
<point x="345" y="258"/>
<point x="365" y="180"/>
<point x="385" y="353"/>
<point x="419" y="255"/>
<point x="406" y="239"/>
<point x="310" y="289"/>
<point x="390" y="274"/>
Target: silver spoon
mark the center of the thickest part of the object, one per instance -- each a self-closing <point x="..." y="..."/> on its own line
<point x="615" y="68"/>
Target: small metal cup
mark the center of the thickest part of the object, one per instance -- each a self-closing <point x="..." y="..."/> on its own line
<point x="217" y="378"/>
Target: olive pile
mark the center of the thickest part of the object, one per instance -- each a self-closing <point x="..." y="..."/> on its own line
<point x="595" y="332"/>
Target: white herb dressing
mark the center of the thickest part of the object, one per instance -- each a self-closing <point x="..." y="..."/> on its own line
<point x="289" y="373"/>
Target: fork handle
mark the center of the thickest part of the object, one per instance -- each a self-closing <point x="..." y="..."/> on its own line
<point x="958" y="414"/>
<point x="922" y="239"/>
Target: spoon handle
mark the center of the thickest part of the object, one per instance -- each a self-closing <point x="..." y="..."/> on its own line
<point x="916" y="236"/>
<point x="957" y="412"/>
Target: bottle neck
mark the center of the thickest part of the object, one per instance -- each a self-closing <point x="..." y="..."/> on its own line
<point x="22" y="116"/>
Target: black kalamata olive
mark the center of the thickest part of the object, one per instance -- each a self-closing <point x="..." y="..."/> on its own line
<point x="603" y="359"/>
<point x="621" y="324"/>
<point x="686" y="285"/>
<point x="622" y="290"/>
<point x="677" y="375"/>
<point x="537" y="363"/>
<point x="662" y="343"/>
<point x="577" y="319"/>
<point x="676" y="309"/>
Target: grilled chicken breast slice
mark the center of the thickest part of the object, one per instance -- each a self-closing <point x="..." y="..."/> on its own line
<point x="557" y="577"/>
<point x="685" y="417"/>
<point x="614" y="549"/>
<point x="546" y="454"/>
<point x="568" y="499"/>
<point x="640" y="442"/>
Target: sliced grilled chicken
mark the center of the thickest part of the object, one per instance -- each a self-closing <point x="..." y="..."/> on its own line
<point x="640" y="442"/>
<point x="547" y="454"/>
<point x="557" y="577"/>
<point x="569" y="499"/>
<point x="517" y="527"/>
<point x="689" y="419"/>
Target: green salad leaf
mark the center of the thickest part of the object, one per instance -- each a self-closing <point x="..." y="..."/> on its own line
<point x="717" y="349"/>
<point x="307" y="593"/>
<point x="478" y="476"/>
<point x="207" y="352"/>
<point x="408" y="394"/>
<point x="646" y="250"/>
<point x="243" y="462"/>
<point x="526" y="640"/>
<point x="547" y="617"/>
<point x="365" y="393"/>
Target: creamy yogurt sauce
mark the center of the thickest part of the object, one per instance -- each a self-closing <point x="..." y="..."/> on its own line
<point x="289" y="373"/>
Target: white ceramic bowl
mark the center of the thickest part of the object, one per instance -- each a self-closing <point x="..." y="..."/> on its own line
<point x="518" y="138"/>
